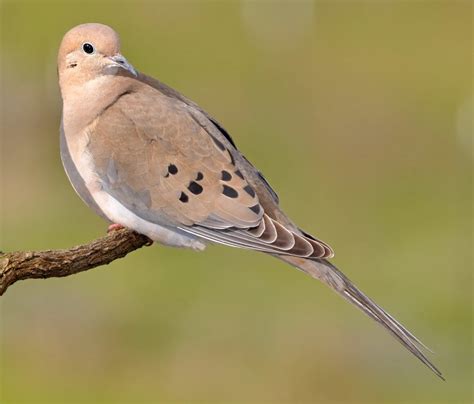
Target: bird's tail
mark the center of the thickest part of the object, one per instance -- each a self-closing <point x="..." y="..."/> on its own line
<point x="330" y="275"/>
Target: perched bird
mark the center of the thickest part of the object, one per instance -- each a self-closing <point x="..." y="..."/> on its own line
<point x="145" y="157"/>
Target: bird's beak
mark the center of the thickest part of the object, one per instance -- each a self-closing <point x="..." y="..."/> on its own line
<point x="120" y="61"/>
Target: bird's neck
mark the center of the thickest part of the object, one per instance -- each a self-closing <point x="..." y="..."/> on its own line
<point x="84" y="102"/>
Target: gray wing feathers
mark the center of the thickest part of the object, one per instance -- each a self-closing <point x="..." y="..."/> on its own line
<point x="269" y="236"/>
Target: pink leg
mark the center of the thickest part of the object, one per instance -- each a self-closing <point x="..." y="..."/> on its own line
<point x="114" y="227"/>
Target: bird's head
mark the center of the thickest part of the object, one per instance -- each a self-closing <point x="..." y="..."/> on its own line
<point x="88" y="51"/>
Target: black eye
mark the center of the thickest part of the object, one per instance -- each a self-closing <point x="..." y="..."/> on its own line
<point x="88" y="48"/>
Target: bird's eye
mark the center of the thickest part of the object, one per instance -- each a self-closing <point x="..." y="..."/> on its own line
<point x="88" y="48"/>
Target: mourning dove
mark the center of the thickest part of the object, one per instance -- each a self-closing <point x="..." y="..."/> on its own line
<point x="145" y="157"/>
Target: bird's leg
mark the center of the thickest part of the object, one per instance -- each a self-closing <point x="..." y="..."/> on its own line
<point x="114" y="227"/>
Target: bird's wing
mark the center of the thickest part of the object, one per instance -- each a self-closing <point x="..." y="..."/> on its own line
<point x="169" y="164"/>
<point x="213" y="126"/>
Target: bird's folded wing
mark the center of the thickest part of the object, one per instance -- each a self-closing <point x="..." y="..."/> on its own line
<point x="169" y="166"/>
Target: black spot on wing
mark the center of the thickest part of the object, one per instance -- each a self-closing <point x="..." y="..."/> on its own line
<point x="195" y="188"/>
<point x="218" y="143"/>
<point x="230" y="192"/>
<point x="255" y="209"/>
<point x="225" y="175"/>
<point x="265" y="182"/>
<point x="199" y="176"/>
<point x="172" y="169"/>
<point x="183" y="197"/>
<point x="232" y="160"/>
<point x="249" y="190"/>
<point x="238" y="173"/>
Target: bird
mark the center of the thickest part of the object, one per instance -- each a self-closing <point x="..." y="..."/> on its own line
<point x="147" y="158"/>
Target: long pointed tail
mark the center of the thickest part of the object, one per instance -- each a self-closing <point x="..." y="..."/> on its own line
<point x="330" y="275"/>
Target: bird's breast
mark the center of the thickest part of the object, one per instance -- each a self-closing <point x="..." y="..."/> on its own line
<point x="81" y="169"/>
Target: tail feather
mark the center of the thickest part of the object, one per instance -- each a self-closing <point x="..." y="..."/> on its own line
<point x="329" y="274"/>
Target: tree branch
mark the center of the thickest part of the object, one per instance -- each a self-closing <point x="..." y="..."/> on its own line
<point x="19" y="265"/>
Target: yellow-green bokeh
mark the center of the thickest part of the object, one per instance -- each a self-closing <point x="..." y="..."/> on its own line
<point x="360" y="115"/>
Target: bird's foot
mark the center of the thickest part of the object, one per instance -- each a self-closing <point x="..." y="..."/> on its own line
<point x="114" y="227"/>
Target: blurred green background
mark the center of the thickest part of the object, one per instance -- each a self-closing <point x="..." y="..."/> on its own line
<point x="360" y="115"/>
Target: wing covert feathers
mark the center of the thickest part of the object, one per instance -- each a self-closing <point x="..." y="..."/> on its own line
<point x="170" y="164"/>
<point x="167" y="168"/>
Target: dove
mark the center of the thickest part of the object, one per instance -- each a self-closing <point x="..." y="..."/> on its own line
<point x="145" y="157"/>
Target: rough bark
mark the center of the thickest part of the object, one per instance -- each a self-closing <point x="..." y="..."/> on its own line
<point x="19" y="265"/>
